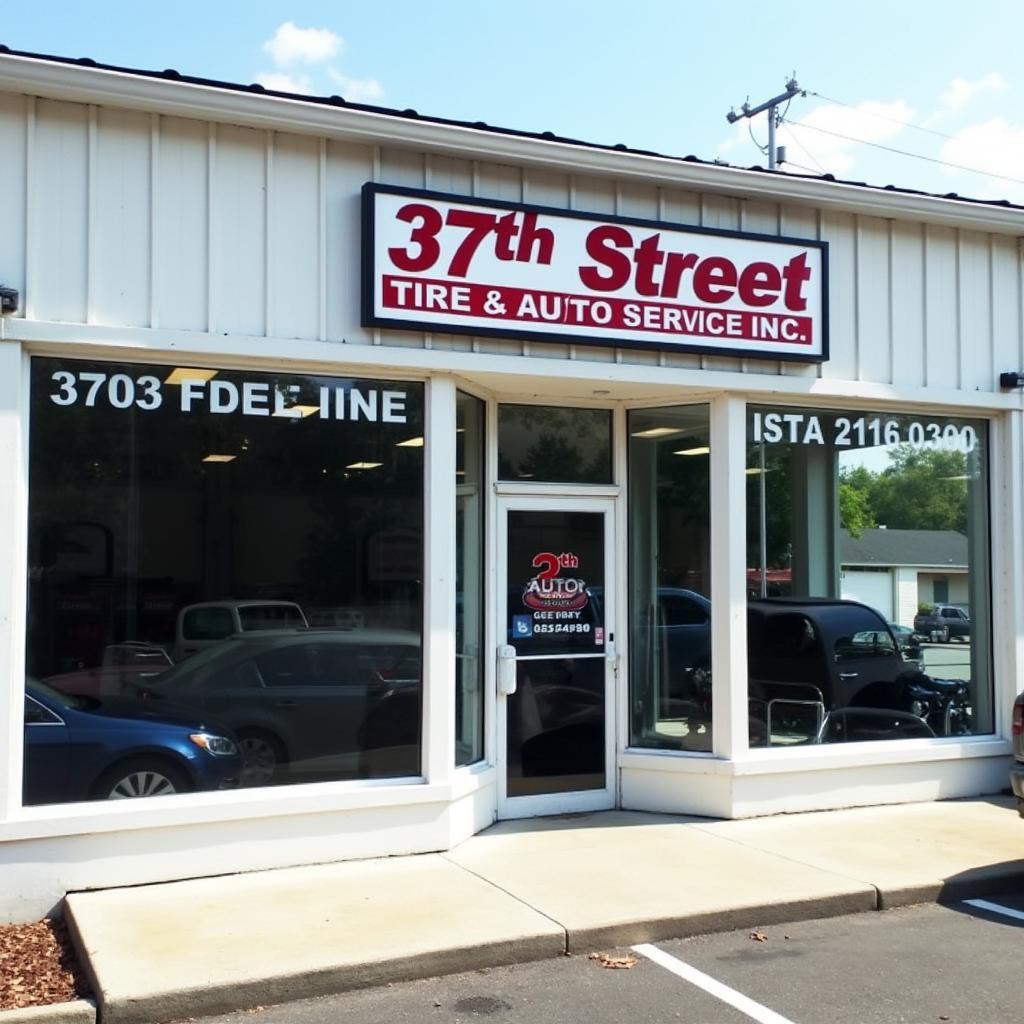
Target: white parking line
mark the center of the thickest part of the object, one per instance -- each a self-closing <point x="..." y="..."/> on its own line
<point x="715" y="988"/>
<point x="995" y="908"/>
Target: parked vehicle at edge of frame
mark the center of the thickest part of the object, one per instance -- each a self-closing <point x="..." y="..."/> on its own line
<point x="1017" y="767"/>
<point x="823" y="670"/>
<point x="85" y="748"/>
<point x="942" y="623"/>
<point x="308" y="702"/>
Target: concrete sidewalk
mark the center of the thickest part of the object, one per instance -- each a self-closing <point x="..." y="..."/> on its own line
<point x="520" y="891"/>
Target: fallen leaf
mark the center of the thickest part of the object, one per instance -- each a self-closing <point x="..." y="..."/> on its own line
<point x="759" y="936"/>
<point x="614" y="962"/>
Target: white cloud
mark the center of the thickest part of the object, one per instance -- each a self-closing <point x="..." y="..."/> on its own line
<point x="995" y="146"/>
<point x="357" y="90"/>
<point x="293" y="45"/>
<point x="282" y="82"/>
<point x="960" y="92"/>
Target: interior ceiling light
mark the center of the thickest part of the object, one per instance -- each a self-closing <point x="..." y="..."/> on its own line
<point x="220" y="458"/>
<point x="693" y="451"/>
<point x="658" y="432"/>
<point x="413" y="442"/>
<point x="754" y="470"/>
<point x="364" y="465"/>
<point x="303" y="410"/>
<point x="181" y="373"/>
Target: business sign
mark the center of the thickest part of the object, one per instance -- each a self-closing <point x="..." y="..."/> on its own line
<point x="443" y="263"/>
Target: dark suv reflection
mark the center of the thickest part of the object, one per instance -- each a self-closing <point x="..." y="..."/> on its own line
<point x="824" y="670"/>
<point x="309" y="705"/>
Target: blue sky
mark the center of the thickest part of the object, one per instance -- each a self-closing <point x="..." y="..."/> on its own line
<point x="939" y="79"/>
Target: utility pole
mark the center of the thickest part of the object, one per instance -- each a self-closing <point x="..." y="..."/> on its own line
<point x="792" y="89"/>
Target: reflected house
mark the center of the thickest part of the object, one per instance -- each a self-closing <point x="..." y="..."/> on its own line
<point x="896" y="571"/>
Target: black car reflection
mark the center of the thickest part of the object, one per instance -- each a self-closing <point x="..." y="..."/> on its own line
<point x="309" y="705"/>
<point x="825" y="670"/>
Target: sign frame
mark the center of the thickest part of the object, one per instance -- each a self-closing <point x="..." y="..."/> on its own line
<point x="687" y="344"/>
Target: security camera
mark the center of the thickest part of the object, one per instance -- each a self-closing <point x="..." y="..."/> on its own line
<point x="8" y="299"/>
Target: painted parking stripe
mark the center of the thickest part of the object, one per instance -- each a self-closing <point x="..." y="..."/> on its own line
<point x="728" y="995"/>
<point x="995" y="908"/>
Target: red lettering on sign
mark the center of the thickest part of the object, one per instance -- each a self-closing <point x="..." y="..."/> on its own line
<point x="715" y="279"/>
<point x="547" y="563"/>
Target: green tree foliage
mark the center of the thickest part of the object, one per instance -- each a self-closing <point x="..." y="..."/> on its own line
<point x="855" y="511"/>
<point x="920" y="489"/>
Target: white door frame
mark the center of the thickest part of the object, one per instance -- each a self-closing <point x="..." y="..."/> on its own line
<point x="580" y="800"/>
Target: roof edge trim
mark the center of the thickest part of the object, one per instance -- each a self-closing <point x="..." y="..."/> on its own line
<point x="52" y="79"/>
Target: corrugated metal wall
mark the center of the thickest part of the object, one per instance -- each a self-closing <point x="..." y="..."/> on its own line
<point x="122" y="218"/>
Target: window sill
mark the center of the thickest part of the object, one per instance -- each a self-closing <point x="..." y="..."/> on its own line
<point x="781" y="761"/>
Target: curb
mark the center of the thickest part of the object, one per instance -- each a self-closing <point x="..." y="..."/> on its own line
<point x="629" y="933"/>
<point x="208" y="1001"/>
<point x="77" y="1011"/>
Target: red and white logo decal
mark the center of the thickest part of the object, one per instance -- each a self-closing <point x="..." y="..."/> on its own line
<point x="549" y="590"/>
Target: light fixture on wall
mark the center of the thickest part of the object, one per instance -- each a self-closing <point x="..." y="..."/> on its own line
<point x="1012" y="379"/>
<point x="8" y="299"/>
<point x="182" y="373"/>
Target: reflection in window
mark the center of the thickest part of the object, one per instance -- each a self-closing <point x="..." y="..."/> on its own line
<point x="188" y="529"/>
<point x="469" y="602"/>
<point x="848" y="516"/>
<point x="669" y="578"/>
<point x="552" y="444"/>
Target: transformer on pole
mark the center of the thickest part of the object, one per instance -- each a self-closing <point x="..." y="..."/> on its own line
<point x="792" y="89"/>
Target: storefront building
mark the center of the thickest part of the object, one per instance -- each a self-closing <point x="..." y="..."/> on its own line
<point x="366" y="478"/>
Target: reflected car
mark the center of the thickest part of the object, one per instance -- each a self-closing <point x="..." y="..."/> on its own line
<point x="812" y="658"/>
<point x="908" y="640"/>
<point x="84" y="748"/>
<point x="942" y="623"/>
<point x="122" y="664"/>
<point x="308" y="704"/>
<point x="204" y="625"/>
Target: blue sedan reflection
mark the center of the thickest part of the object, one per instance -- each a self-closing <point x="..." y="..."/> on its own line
<point x="84" y="748"/>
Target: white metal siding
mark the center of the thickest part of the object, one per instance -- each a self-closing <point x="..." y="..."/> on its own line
<point x="125" y="218"/>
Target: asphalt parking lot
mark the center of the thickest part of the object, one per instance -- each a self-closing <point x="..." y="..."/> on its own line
<point x="915" y="965"/>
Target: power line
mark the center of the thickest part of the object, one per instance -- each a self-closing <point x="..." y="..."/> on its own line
<point x="808" y="153"/>
<point x="881" y="117"/>
<point x="903" y="152"/>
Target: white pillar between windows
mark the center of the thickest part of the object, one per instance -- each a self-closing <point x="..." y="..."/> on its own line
<point x="13" y="517"/>
<point x="1006" y="461"/>
<point x="439" y="584"/>
<point x="729" y="577"/>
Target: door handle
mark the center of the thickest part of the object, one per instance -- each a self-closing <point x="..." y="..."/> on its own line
<point x="506" y="674"/>
<point x="848" y="675"/>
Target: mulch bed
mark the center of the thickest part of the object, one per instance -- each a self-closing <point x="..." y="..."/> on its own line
<point x="38" y="966"/>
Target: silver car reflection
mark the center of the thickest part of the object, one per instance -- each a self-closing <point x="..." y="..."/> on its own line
<point x="306" y="704"/>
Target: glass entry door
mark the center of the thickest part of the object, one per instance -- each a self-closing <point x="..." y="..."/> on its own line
<point x="556" y="657"/>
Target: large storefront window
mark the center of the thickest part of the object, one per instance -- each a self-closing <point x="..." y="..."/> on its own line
<point x="669" y="579"/>
<point x="868" y="576"/>
<point x="225" y="580"/>
<point x="469" y="575"/>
